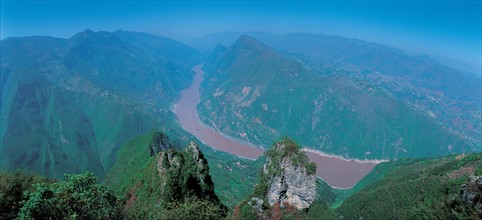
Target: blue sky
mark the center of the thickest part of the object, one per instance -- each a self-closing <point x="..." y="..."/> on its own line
<point x="442" y="28"/>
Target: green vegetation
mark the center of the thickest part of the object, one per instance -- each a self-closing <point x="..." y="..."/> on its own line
<point x="71" y="105"/>
<point x="132" y="158"/>
<point x="68" y="105"/>
<point x="404" y="189"/>
<point x="378" y="172"/>
<point x="182" y="190"/>
<point x="175" y="183"/>
<point x="78" y="197"/>
<point x="233" y="177"/>
<point x="149" y="200"/>
<point x="13" y="187"/>
<point x="194" y="209"/>
<point x="416" y="189"/>
<point x="24" y="196"/>
<point x="418" y="81"/>
<point x="269" y="95"/>
<point x="320" y="211"/>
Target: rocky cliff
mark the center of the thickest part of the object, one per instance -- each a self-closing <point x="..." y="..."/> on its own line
<point x="287" y="185"/>
<point x="291" y="178"/>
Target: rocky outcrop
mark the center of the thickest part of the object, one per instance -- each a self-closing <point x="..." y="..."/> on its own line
<point x="292" y="186"/>
<point x="173" y="184"/>
<point x="202" y="168"/>
<point x="291" y="178"/>
<point x="185" y="174"/>
<point x="287" y="185"/>
<point x="471" y="193"/>
<point x="159" y="142"/>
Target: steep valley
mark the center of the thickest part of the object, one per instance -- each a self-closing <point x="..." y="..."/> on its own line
<point x="337" y="172"/>
<point x="69" y="104"/>
<point x="256" y="94"/>
<point x="234" y="137"/>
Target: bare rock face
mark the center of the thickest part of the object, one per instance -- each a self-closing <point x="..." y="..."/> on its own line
<point x="290" y="181"/>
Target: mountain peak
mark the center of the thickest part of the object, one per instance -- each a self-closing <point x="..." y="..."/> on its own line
<point x="89" y="35"/>
<point x="88" y="31"/>
<point x="84" y="34"/>
<point x="247" y="38"/>
<point x="247" y="42"/>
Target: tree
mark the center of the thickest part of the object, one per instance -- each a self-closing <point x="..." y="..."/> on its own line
<point x="79" y="197"/>
<point x="12" y="187"/>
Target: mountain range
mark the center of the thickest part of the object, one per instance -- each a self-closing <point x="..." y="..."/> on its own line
<point x="103" y="102"/>
<point x="69" y="104"/>
<point x="254" y="93"/>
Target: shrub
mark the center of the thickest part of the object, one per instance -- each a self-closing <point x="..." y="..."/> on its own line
<point x="311" y="168"/>
<point x="195" y="209"/>
<point x="78" y="197"/>
<point x="12" y="188"/>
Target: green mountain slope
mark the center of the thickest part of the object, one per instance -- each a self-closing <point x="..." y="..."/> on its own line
<point x="253" y="93"/>
<point x="68" y="104"/>
<point x="418" y="189"/>
<point x="449" y="96"/>
<point x="174" y="180"/>
<point x="233" y="177"/>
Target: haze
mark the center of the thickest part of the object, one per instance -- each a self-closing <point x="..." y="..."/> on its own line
<point x="446" y="29"/>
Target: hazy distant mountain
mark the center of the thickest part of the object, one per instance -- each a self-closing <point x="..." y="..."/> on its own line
<point x="254" y="93"/>
<point x="207" y="43"/>
<point x="68" y="104"/>
<point x="69" y="101"/>
<point x="451" y="97"/>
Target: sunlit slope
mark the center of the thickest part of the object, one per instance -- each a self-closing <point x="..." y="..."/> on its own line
<point x="449" y="96"/>
<point x="254" y="93"/>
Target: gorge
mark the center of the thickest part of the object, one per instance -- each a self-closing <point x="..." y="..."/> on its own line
<point x="336" y="171"/>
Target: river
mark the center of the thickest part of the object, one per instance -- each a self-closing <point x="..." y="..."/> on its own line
<point x="336" y="171"/>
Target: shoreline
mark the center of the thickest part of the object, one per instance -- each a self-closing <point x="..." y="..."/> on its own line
<point x="323" y="154"/>
<point x="339" y="173"/>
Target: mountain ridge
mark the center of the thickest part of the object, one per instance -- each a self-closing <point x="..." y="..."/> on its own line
<point x="70" y="105"/>
<point x="237" y="88"/>
<point x="77" y="100"/>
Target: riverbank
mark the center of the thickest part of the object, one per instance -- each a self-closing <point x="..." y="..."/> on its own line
<point x="337" y="171"/>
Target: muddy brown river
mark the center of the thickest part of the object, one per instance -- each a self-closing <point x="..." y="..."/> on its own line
<point x="336" y="171"/>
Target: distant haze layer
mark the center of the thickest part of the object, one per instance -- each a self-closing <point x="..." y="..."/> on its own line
<point x="450" y="29"/>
